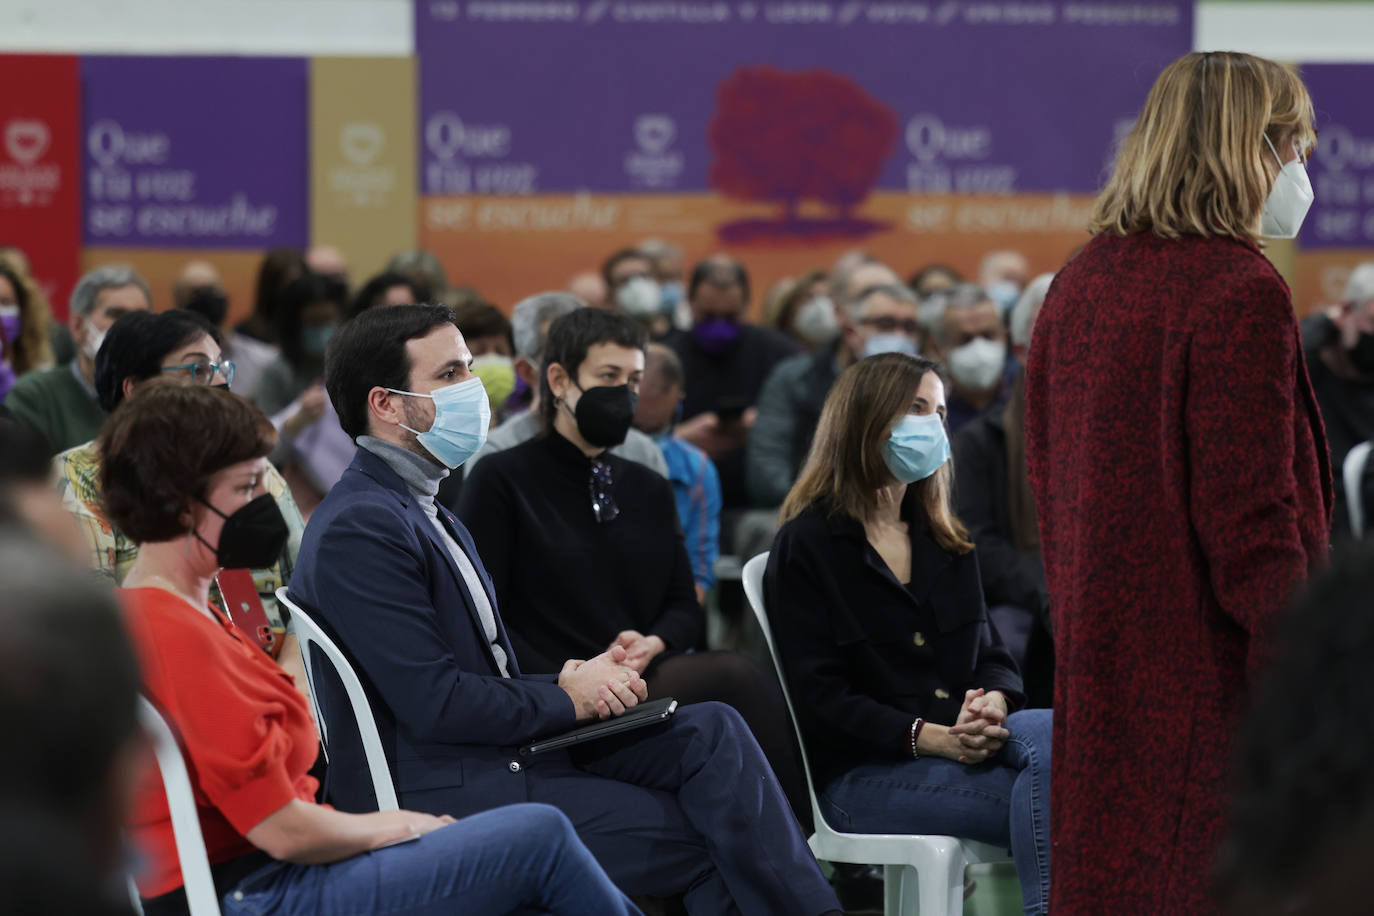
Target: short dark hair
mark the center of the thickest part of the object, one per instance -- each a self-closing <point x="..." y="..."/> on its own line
<point x="609" y="265"/>
<point x="25" y="460"/>
<point x="1301" y="798"/>
<point x="305" y="290"/>
<point x="719" y="271"/>
<point x="136" y="345"/>
<point x="919" y="278"/>
<point x="482" y="319"/>
<point x="159" y="450"/>
<point x="69" y="680"/>
<point x="367" y="296"/>
<point x="369" y="351"/>
<point x="569" y="339"/>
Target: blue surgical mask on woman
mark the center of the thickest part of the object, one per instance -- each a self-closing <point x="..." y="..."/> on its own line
<point x="314" y="340"/>
<point x="462" y="415"/>
<point x="917" y="447"/>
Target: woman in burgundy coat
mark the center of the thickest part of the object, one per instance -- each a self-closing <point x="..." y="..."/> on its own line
<point x="1180" y="470"/>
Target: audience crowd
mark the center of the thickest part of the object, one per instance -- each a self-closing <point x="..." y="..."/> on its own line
<point x="516" y="519"/>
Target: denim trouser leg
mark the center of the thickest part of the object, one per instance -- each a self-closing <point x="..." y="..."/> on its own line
<point x="516" y="859"/>
<point x="1005" y="801"/>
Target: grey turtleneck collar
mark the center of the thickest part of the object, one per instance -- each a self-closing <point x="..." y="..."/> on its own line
<point x="420" y="474"/>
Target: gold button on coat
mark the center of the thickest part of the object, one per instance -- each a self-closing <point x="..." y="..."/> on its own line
<point x="941" y="693"/>
<point x="919" y="639"/>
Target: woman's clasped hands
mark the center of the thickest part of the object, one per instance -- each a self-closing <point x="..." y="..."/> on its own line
<point x="980" y="729"/>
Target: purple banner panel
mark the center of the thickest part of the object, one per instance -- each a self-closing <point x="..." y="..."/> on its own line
<point x="825" y="97"/>
<point x="201" y="152"/>
<point x="1343" y="168"/>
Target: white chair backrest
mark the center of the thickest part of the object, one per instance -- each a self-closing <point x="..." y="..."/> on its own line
<point x="181" y="802"/>
<point x="309" y="633"/>
<point x="1352" y="475"/>
<point x="753" y="591"/>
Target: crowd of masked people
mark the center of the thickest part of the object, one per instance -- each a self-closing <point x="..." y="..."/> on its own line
<point x="512" y="520"/>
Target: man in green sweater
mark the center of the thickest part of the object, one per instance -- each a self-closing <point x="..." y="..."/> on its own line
<point x="60" y="402"/>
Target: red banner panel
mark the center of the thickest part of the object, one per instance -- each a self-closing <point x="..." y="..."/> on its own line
<point x="40" y="177"/>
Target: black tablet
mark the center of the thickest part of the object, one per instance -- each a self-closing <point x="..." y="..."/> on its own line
<point x="642" y="715"/>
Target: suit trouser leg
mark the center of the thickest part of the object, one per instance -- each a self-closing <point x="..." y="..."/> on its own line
<point x="708" y="759"/>
<point x="640" y="836"/>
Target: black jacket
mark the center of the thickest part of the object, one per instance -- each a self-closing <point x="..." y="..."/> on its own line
<point x="865" y="655"/>
<point x="981" y="486"/>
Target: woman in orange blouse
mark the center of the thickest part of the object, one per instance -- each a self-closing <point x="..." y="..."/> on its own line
<point x="183" y="476"/>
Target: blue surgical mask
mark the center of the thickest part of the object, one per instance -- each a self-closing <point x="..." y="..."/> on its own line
<point x="462" y="415"/>
<point x="892" y="342"/>
<point x="1004" y="293"/>
<point x="673" y="294"/>
<point x="314" y="340"/>
<point x="917" y="447"/>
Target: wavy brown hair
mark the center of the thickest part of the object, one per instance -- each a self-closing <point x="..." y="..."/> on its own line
<point x="1196" y="162"/>
<point x="161" y="446"/>
<point x="32" y="350"/>
<point x="845" y="468"/>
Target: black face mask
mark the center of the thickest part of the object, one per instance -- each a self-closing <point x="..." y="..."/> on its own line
<point x="252" y="537"/>
<point x="210" y="303"/>
<point x="1362" y="354"/>
<point x="604" y="414"/>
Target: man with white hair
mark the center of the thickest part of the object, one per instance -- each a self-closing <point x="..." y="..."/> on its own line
<point x="530" y="320"/>
<point x="1341" y="364"/>
<point x="994" y="501"/>
<point x="874" y="319"/>
<point x="60" y="402"/>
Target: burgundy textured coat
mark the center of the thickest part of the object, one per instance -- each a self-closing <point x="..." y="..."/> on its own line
<point x="1180" y="470"/>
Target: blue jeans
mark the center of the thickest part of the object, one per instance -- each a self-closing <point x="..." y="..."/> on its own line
<point x="517" y="859"/>
<point x="1004" y="802"/>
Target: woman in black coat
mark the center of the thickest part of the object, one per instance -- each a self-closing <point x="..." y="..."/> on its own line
<point x="903" y="689"/>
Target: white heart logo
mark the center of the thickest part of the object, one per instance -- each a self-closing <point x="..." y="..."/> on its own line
<point x="654" y="132"/>
<point x="361" y="142"/>
<point x="27" y="141"/>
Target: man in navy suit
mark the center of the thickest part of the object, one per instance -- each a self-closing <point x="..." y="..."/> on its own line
<point x="687" y="807"/>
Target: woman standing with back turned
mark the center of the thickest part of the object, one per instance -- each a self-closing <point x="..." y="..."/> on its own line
<point x="1180" y="470"/>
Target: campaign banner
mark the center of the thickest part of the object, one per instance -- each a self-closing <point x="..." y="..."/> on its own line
<point x="1339" y="230"/>
<point x="783" y="130"/>
<point x="40" y="179"/>
<point x="203" y="152"/>
<point x="362" y="158"/>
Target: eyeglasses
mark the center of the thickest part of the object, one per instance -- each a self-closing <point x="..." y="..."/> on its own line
<point x="603" y="503"/>
<point x="889" y="323"/>
<point x="203" y="373"/>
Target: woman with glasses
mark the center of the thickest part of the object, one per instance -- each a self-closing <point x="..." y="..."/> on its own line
<point x="585" y="549"/>
<point x="182" y="470"/>
<point x="182" y="346"/>
<point x="906" y="698"/>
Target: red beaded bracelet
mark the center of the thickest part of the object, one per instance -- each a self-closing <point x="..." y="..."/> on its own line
<point x="916" y="733"/>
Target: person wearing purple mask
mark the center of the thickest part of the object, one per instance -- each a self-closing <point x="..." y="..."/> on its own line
<point x="726" y="361"/>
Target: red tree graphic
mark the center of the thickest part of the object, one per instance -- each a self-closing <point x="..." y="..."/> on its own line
<point x="789" y="137"/>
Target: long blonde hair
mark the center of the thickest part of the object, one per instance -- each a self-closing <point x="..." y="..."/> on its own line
<point x="845" y="469"/>
<point x="1196" y="161"/>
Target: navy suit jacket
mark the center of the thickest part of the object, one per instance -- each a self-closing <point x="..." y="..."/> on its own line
<point x="376" y="574"/>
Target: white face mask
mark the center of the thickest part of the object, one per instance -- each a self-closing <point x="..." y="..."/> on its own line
<point x="978" y="364"/>
<point x="94" y="338"/>
<point x="1289" y="199"/>
<point x="640" y="297"/>
<point x="816" y="321"/>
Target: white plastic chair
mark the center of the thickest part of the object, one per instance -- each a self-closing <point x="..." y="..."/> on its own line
<point x="308" y="633"/>
<point x="1352" y="475"/>
<point x="935" y="864"/>
<point x="181" y="802"/>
